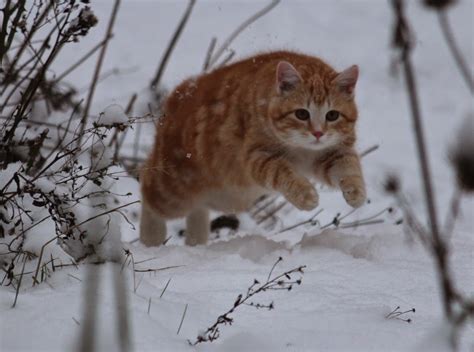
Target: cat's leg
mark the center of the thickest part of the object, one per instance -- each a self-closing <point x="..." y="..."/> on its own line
<point x="152" y="227"/>
<point x="344" y="171"/>
<point x="271" y="171"/>
<point x="197" y="227"/>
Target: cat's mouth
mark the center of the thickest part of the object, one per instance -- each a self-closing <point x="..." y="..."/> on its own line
<point x="320" y="144"/>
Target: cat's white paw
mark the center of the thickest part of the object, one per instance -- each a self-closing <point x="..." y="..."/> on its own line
<point x="303" y="196"/>
<point x="353" y="190"/>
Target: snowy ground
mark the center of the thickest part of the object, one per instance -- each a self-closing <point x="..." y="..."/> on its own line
<point x="354" y="277"/>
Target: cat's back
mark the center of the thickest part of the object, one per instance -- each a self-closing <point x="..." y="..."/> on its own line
<point x="241" y="78"/>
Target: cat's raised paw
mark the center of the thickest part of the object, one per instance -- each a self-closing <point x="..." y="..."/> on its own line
<point x="304" y="198"/>
<point x="353" y="191"/>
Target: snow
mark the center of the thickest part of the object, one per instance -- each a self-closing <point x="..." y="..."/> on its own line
<point x="113" y="113"/>
<point x="354" y="276"/>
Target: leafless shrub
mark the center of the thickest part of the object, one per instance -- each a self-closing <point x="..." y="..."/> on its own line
<point x="52" y="171"/>
<point x="283" y="281"/>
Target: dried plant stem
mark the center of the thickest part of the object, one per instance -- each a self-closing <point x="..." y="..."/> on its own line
<point x="209" y="51"/>
<point x="172" y="44"/>
<point x="369" y="150"/>
<point x="283" y="281"/>
<point x="35" y="26"/>
<point x="439" y="247"/>
<point x="19" y="281"/>
<point x="238" y="30"/>
<point x="149" y="306"/>
<point x="40" y="257"/>
<point x="458" y="58"/>
<point x="88" y="328"/>
<point x="166" y="286"/>
<point x="453" y="213"/>
<point x="182" y="319"/>
<point x="308" y="221"/>
<point x="121" y="302"/>
<point x="81" y="60"/>
<point x="98" y="67"/>
<point x="104" y="213"/>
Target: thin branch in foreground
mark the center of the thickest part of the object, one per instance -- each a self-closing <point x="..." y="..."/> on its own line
<point x="123" y="325"/>
<point x="402" y="39"/>
<point x="88" y="328"/>
<point x="283" y="281"/>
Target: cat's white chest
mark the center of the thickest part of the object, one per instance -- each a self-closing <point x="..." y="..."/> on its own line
<point x="302" y="161"/>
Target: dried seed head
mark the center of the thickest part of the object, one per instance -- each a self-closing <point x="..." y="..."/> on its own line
<point x="462" y="156"/>
<point x="439" y="4"/>
<point x="392" y="184"/>
<point x="81" y="25"/>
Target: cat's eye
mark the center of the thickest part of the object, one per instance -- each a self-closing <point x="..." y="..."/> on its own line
<point x="332" y="115"/>
<point x="302" y="114"/>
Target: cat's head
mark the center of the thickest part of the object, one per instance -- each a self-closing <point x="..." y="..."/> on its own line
<point x="314" y="108"/>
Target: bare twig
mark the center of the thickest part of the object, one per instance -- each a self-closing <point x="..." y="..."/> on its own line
<point x="311" y="220"/>
<point x="81" y="60"/>
<point x="172" y="44"/>
<point x="149" y="306"/>
<point x="399" y="314"/>
<point x="164" y="289"/>
<point x="19" y="281"/>
<point x="452" y="214"/>
<point x="209" y="52"/>
<point x="182" y="319"/>
<point x="213" y="60"/>
<point x="98" y="67"/>
<point x="453" y="47"/>
<point x="369" y="150"/>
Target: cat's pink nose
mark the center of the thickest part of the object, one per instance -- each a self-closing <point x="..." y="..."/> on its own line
<point x="318" y="134"/>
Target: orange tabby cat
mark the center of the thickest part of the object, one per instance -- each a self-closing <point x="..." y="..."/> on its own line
<point x="266" y="124"/>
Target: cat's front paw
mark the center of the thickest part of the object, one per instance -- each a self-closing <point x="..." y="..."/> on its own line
<point x="302" y="195"/>
<point x="353" y="190"/>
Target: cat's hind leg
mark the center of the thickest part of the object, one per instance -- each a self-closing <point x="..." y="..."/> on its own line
<point x="152" y="227"/>
<point x="197" y="227"/>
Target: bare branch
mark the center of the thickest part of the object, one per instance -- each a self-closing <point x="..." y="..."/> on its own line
<point x="239" y="30"/>
<point x="164" y="60"/>
<point x="98" y="67"/>
<point x="453" y="47"/>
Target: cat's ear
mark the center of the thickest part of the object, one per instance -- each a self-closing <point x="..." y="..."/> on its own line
<point x="287" y="78"/>
<point x="347" y="79"/>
